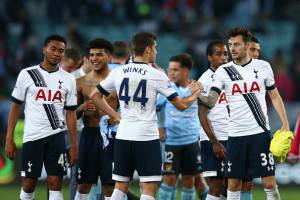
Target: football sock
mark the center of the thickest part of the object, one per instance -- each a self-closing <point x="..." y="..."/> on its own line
<point x="211" y="197"/>
<point x="188" y="193"/>
<point x="55" y="195"/>
<point x="118" y="195"/>
<point x="273" y="194"/>
<point x="26" y="196"/>
<point x="147" y="197"/>
<point x="165" y="192"/>
<point x="233" y="195"/>
<point x="80" y="196"/>
<point x="246" y="195"/>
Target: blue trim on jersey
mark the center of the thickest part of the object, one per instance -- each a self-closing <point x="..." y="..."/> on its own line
<point x="172" y="96"/>
<point x="17" y="101"/>
<point x="72" y="108"/>
<point x="217" y="90"/>
<point x="102" y="90"/>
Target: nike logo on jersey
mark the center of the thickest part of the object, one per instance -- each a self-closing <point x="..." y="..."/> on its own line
<point x="53" y="96"/>
<point x="244" y="88"/>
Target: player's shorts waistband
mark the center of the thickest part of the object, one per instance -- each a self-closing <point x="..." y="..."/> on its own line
<point x="91" y="129"/>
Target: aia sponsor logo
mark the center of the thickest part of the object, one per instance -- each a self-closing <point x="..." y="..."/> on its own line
<point x="222" y="98"/>
<point x="245" y="88"/>
<point x="49" y="95"/>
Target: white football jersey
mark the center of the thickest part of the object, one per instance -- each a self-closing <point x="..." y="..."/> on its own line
<point x="46" y="95"/>
<point x="137" y="85"/>
<point x="218" y="115"/>
<point x="245" y="88"/>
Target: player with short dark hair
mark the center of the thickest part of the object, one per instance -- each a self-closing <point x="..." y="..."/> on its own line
<point x="182" y="151"/>
<point x="254" y="48"/>
<point x="49" y="95"/>
<point x="215" y="123"/>
<point x="137" y="141"/>
<point x="94" y="161"/>
<point x="245" y="82"/>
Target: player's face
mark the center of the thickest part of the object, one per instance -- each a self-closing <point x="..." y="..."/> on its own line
<point x="237" y="47"/>
<point x="219" y="56"/>
<point x="254" y="50"/>
<point x="175" y="72"/>
<point x="152" y="53"/>
<point x="99" y="58"/>
<point x="54" y="52"/>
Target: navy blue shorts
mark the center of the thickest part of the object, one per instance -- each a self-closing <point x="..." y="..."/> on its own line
<point x="142" y="156"/>
<point x="184" y="159"/>
<point x="49" y="151"/>
<point x="93" y="159"/>
<point x="212" y="166"/>
<point x="249" y="157"/>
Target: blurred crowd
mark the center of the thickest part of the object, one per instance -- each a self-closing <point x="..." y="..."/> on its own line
<point x="195" y="21"/>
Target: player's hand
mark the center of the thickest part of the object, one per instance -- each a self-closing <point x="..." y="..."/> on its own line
<point x="118" y="118"/>
<point x="219" y="150"/>
<point x="195" y="87"/>
<point x="285" y="128"/>
<point x="88" y="106"/>
<point x="112" y="121"/>
<point x="10" y="149"/>
<point x="73" y="155"/>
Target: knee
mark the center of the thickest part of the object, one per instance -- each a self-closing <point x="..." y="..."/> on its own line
<point x="170" y="180"/>
<point x="84" y="188"/>
<point x="247" y="186"/>
<point x="28" y="185"/>
<point x="216" y="187"/>
<point x="234" y="185"/>
<point x="269" y="182"/>
<point x="108" y="190"/>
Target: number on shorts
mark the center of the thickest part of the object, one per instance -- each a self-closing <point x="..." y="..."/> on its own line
<point x="61" y="160"/>
<point x="264" y="160"/>
<point x="169" y="157"/>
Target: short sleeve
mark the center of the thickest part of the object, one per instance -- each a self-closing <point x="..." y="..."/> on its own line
<point x="71" y="97"/>
<point x="164" y="87"/>
<point x="205" y="85"/>
<point x="269" y="81"/>
<point x="107" y="85"/>
<point x="218" y="81"/>
<point x="19" y="92"/>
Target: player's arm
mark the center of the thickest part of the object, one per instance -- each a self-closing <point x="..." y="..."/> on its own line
<point x="13" y="116"/>
<point x="212" y="98"/>
<point x="184" y="103"/>
<point x="218" y="149"/>
<point x="99" y="100"/>
<point x="279" y="107"/>
<point x="71" y="120"/>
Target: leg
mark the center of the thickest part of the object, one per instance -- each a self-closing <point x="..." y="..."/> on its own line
<point x="55" y="185"/>
<point x="120" y="191"/>
<point x="73" y="183"/>
<point x="201" y="186"/>
<point x="216" y="186"/>
<point x="167" y="188"/>
<point x="188" y="190"/>
<point x="246" y="193"/>
<point x="270" y="187"/>
<point x="28" y="187"/>
<point x="149" y="190"/>
<point x="234" y="189"/>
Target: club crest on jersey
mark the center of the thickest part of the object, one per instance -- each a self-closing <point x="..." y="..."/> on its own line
<point x="245" y="88"/>
<point x="255" y="72"/>
<point x="59" y="82"/>
<point x="49" y="95"/>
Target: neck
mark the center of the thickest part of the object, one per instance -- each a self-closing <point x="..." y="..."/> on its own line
<point x="141" y="59"/>
<point x="102" y="72"/>
<point x="48" y="66"/>
<point x="118" y="61"/>
<point x="213" y="67"/>
<point x="243" y="61"/>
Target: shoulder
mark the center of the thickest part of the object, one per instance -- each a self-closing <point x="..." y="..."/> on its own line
<point x="221" y="69"/>
<point x="207" y="74"/>
<point x="27" y="70"/>
<point x="260" y="62"/>
<point x="66" y="75"/>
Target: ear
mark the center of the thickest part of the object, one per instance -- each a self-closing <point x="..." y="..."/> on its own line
<point x="44" y="50"/>
<point x="209" y="58"/>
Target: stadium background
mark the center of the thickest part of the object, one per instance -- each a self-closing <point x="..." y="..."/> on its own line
<point x="181" y="25"/>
